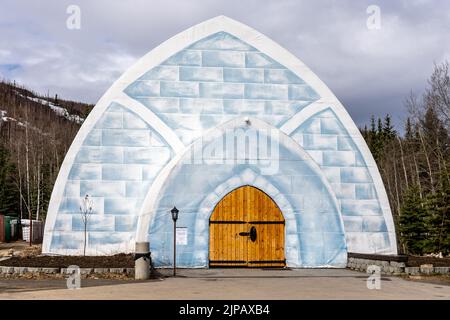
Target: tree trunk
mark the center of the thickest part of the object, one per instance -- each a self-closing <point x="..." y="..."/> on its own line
<point x="430" y="172"/>
<point x="403" y="162"/>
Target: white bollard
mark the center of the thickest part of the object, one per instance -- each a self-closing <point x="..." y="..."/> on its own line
<point x="142" y="261"/>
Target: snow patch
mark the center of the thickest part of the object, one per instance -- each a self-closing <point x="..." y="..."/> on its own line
<point x="60" y="111"/>
<point x="4" y="118"/>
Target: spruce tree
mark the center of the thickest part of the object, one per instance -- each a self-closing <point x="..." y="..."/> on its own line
<point x="372" y="132"/>
<point x="388" y="129"/>
<point x="438" y="217"/>
<point x="8" y="192"/>
<point x="412" y="224"/>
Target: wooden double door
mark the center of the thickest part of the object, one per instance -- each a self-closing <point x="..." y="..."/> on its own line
<point x="246" y="230"/>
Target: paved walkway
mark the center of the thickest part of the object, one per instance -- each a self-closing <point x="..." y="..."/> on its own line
<point x="232" y="284"/>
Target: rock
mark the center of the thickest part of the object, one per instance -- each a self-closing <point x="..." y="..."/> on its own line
<point x="426" y="268"/>
<point x="397" y="264"/>
<point x="86" y="270"/>
<point x="385" y="263"/>
<point x="117" y="270"/>
<point x="442" y="270"/>
<point x="7" y="270"/>
<point x="412" y="270"/>
<point x="50" y="270"/>
<point x="20" y="270"/>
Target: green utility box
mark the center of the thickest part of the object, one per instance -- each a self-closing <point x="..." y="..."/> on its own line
<point x="7" y="228"/>
<point x="2" y="228"/>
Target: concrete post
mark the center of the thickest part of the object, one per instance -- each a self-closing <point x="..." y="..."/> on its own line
<point x="142" y="261"/>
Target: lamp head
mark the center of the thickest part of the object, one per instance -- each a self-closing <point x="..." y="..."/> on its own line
<point x="174" y="212"/>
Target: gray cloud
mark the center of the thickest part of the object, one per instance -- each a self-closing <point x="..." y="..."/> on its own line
<point x="370" y="71"/>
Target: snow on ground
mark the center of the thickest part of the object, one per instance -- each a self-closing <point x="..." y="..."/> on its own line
<point x="57" y="109"/>
<point x="4" y="118"/>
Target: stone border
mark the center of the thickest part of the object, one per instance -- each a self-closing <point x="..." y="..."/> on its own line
<point x="44" y="270"/>
<point x="394" y="265"/>
<point x="387" y="266"/>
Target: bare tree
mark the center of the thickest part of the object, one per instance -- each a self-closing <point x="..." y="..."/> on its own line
<point x="86" y="208"/>
<point x="438" y="93"/>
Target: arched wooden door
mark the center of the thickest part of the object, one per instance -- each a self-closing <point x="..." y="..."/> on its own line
<point x="246" y="230"/>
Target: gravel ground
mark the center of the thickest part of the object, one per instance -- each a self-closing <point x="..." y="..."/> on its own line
<point x="415" y="261"/>
<point x="116" y="261"/>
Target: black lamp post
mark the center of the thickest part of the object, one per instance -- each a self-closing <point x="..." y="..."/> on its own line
<point x="174" y="212"/>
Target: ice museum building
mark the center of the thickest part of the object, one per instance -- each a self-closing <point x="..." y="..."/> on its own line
<point x="307" y="193"/>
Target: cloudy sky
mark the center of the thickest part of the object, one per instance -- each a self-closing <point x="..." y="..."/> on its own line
<point x="370" y="71"/>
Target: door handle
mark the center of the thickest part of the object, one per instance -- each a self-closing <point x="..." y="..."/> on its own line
<point x="252" y="234"/>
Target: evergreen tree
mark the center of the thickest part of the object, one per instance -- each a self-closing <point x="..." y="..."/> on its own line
<point x="438" y="218"/>
<point x="412" y="224"/>
<point x="388" y="129"/>
<point x="376" y="139"/>
<point x="373" y="130"/>
<point x="8" y="191"/>
<point x="372" y="133"/>
<point x="379" y="127"/>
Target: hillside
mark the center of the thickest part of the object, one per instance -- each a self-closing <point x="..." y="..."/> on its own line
<point x="35" y="134"/>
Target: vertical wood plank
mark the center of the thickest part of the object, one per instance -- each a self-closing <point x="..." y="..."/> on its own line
<point x="247" y="204"/>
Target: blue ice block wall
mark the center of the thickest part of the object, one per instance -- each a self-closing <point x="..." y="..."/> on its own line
<point x="324" y="137"/>
<point x="215" y="80"/>
<point x="206" y="84"/>
<point x="115" y="166"/>
<point x="314" y="233"/>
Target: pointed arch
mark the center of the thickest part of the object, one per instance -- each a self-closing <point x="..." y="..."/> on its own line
<point x="315" y="234"/>
<point x="321" y="96"/>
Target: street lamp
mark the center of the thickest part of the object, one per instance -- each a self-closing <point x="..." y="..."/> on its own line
<point x="174" y="212"/>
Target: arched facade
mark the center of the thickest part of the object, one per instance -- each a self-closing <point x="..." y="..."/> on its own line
<point x="151" y="143"/>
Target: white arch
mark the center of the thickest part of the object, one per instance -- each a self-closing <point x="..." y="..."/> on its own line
<point x="282" y="56"/>
<point x="172" y="46"/>
<point x="249" y="177"/>
<point x="298" y="119"/>
<point x="109" y="97"/>
<point x="151" y="200"/>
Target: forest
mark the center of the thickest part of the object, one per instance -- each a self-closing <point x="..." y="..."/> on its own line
<point x="415" y="166"/>
<point x="36" y="132"/>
